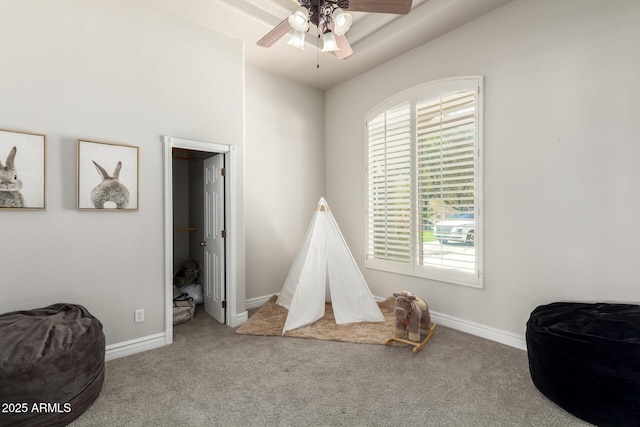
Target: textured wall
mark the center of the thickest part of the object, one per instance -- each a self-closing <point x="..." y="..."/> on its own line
<point x="118" y="71"/>
<point x="560" y="155"/>
<point x="285" y="174"/>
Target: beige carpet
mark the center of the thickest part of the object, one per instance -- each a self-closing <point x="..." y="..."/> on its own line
<point x="270" y="318"/>
<point x="210" y="376"/>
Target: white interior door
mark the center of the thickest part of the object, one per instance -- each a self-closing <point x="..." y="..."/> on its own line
<point x="213" y="244"/>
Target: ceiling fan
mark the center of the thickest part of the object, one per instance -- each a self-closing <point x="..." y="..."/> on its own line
<point x="332" y="18"/>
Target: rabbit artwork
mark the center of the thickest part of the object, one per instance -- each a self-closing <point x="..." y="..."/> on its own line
<point x="110" y="189"/>
<point x="10" y="185"/>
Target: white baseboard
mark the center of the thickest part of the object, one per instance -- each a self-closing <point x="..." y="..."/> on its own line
<point x="138" y="345"/>
<point x="238" y="319"/>
<point x="150" y="342"/>
<point x="126" y="348"/>
<point x="258" y="302"/>
<point x="483" y="331"/>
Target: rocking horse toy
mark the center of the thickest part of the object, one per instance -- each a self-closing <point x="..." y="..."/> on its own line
<point x="412" y="315"/>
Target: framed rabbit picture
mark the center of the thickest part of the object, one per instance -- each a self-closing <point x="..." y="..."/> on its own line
<point x="107" y="176"/>
<point x="22" y="170"/>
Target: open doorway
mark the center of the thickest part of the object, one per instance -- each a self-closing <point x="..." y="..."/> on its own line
<point x="200" y="223"/>
<point x="199" y="228"/>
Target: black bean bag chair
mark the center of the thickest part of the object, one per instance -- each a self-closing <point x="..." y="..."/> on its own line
<point x="586" y="358"/>
<point x="51" y="365"/>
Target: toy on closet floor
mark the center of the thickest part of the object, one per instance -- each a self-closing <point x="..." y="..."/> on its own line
<point x="412" y="316"/>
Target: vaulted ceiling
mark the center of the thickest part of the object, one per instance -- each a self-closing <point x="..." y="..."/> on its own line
<point x="374" y="37"/>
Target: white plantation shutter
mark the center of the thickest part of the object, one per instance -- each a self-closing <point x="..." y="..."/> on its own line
<point x="446" y="164"/>
<point x="389" y="169"/>
<point x="423" y="168"/>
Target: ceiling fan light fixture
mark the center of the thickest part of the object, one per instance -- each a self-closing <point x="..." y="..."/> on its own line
<point x="341" y="21"/>
<point x="297" y="40"/>
<point x="329" y="43"/>
<point x="299" y="20"/>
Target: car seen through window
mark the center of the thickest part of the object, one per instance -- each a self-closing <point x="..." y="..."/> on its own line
<point x="458" y="227"/>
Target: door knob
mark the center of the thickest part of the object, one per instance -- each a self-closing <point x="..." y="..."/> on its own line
<point x="203" y="244"/>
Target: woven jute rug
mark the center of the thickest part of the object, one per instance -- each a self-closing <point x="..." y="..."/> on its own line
<point x="270" y="318"/>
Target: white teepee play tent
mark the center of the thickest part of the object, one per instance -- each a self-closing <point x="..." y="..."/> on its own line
<point x="324" y="270"/>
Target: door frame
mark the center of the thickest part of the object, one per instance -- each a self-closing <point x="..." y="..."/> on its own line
<point x="230" y="210"/>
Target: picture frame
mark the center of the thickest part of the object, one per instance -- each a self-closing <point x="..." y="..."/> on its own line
<point x="107" y="176"/>
<point x="23" y="170"/>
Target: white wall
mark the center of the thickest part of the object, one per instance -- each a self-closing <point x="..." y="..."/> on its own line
<point x="118" y="71"/>
<point x="285" y="174"/>
<point x="561" y="155"/>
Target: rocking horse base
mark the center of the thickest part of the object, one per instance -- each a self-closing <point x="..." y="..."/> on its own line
<point x="417" y="344"/>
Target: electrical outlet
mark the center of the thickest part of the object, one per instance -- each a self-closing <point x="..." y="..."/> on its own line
<point x="139" y="315"/>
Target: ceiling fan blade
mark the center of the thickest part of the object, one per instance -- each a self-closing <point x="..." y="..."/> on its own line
<point x="345" y="48"/>
<point x="400" y="7"/>
<point x="275" y="34"/>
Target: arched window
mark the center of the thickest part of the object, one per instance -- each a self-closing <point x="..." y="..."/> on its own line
<point x="424" y="213"/>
